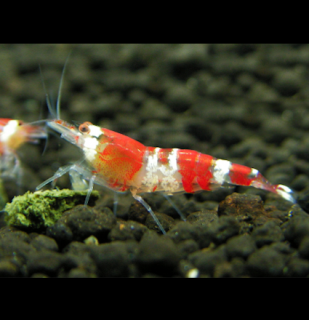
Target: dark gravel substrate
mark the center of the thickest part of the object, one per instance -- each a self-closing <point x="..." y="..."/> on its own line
<point x="244" y="103"/>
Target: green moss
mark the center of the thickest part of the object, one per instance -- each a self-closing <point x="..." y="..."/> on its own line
<point x="38" y="210"/>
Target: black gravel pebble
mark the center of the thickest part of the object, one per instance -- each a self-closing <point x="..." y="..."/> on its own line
<point x="166" y="221"/>
<point x="248" y="210"/>
<point x="266" y="234"/>
<point x="224" y="229"/>
<point x="241" y="246"/>
<point x="158" y="255"/>
<point x="79" y="255"/>
<point x="296" y="230"/>
<point x="187" y="247"/>
<point x="42" y="242"/>
<point x="203" y="218"/>
<point x="183" y="231"/>
<point x="8" y="268"/>
<point x="61" y="233"/>
<point x="266" y="262"/>
<point x="304" y="247"/>
<point x="234" y="269"/>
<point x="206" y="261"/>
<point x="79" y="273"/>
<point x="112" y="259"/>
<point x="297" y="268"/>
<point x="242" y="205"/>
<point x="46" y="262"/>
<point x="12" y="247"/>
<point x="127" y="230"/>
<point x="14" y="235"/>
<point x="81" y="222"/>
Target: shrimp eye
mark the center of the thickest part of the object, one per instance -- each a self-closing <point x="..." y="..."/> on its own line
<point x="84" y="128"/>
<point x="20" y="122"/>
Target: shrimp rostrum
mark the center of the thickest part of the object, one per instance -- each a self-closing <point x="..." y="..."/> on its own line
<point x="120" y="163"/>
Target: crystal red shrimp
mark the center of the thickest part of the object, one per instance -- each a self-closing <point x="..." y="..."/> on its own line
<point x="13" y="134"/>
<point x="122" y="163"/>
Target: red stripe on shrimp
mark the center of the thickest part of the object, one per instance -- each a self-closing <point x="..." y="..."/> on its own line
<point x="204" y="174"/>
<point x="187" y="162"/>
<point x="239" y="175"/>
<point x="195" y="169"/>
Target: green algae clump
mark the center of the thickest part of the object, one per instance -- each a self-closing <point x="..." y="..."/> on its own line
<point x="41" y="209"/>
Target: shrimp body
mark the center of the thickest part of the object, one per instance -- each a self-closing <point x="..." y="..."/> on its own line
<point x="13" y="134"/>
<point x="122" y="163"/>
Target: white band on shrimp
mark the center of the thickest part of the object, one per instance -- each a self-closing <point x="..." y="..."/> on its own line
<point x="95" y="131"/>
<point x="9" y="130"/>
<point x="89" y="148"/>
<point x="254" y="173"/>
<point x="172" y="166"/>
<point x="221" y="171"/>
<point x="151" y="178"/>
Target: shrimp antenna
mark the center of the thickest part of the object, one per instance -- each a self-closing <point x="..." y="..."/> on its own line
<point x="49" y="105"/>
<point x="60" y="86"/>
<point x="76" y="123"/>
<point x="46" y="143"/>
